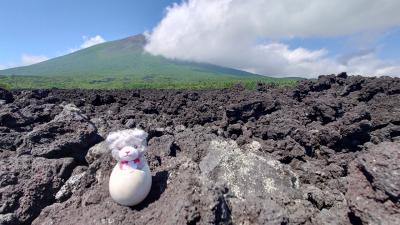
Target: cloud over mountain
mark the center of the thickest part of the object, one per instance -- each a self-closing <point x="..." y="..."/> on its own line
<point x="251" y="34"/>
<point x="90" y="41"/>
<point x="27" y="59"/>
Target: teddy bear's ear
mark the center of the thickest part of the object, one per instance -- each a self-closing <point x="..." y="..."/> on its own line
<point x="115" y="154"/>
<point x="112" y="137"/>
<point x="141" y="134"/>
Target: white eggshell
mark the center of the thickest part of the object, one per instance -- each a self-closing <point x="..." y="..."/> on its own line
<point x="129" y="187"/>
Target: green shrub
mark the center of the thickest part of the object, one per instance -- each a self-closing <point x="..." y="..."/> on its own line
<point x="5" y="86"/>
<point x="134" y="82"/>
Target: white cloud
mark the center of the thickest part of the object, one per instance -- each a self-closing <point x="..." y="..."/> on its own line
<point x="228" y="33"/>
<point x="278" y="59"/>
<point x="27" y="59"/>
<point x="90" y="41"/>
<point x="87" y="42"/>
<point x="7" y="65"/>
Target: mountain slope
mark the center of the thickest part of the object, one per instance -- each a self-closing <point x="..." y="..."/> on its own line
<point x="121" y="57"/>
<point x="124" y="64"/>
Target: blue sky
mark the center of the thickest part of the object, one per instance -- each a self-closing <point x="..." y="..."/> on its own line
<point x="386" y="44"/>
<point x="50" y="28"/>
<point x="267" y="37"/>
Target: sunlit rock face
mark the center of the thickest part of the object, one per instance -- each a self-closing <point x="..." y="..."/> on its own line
<point x="247" y="174"/>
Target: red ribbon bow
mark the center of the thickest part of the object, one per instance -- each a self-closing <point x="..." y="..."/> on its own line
<point x="124" y="162"/>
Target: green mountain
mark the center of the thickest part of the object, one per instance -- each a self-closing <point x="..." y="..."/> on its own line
<point x="122" y="64"/>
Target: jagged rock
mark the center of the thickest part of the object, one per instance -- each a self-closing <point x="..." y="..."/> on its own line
<point x="163" y="146"/>
<point x="247" y="174"/>
<point x="374" y="185"/>
<point x="102" y="100"/>
<point x="325" y="110"/>
<point x="182" y="201"/>
<point x="149" y="107"/>
<point x="369" y="90"/>
<point x="250" y="109"/>
<point x="40" y="94"/>
<point x="8" y="139"/>
<point x="8" y="219"/>
<point x="320" y="133"/>
<point x="331" y="204"/>
<point x="72" y="184"/>
<point x="196" y="138"/>
<point x="96" y="152"/>
<point x="130" y="123"/>
<point x="69" y="134"/>
<point x="6" y="96"/>
<point x="17" y="118"/>
<point x="180" y="128"/>
<point x="383" y="167"/>
<point x="101" y="125"/>
<point x="302" y="89"/>
<point x="31" y="185"/>
<point x="255" y="210"/>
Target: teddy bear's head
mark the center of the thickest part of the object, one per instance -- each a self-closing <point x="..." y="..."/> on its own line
<point x="127" y="145"/>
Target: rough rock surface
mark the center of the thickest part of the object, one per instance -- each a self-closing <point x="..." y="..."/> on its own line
<point x="322" y="152"/>
<point x="374" y="185"/>
<point x="6" y="96"/>
<point x="66" y="135"/>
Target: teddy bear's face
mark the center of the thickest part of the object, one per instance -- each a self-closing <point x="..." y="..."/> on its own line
<point x="127" y="145"/>
<point x="129" y="152"/>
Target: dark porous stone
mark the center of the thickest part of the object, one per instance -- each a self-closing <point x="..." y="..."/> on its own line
<point x="325" y="151"/>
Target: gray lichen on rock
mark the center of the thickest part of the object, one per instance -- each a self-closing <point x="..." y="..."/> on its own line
<point x="247" y="173"/>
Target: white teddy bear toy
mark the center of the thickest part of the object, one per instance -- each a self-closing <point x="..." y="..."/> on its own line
<point x="130" y="180"/>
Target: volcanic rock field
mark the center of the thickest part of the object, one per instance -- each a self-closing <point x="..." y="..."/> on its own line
<point x="322" y="152"/>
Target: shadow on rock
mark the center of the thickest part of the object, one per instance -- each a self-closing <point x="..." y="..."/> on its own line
<point x="158" y="187"/>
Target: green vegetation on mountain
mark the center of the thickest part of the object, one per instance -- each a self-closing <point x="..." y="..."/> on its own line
<point x="4" y="85"/>
<point x="124" y="64"/>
